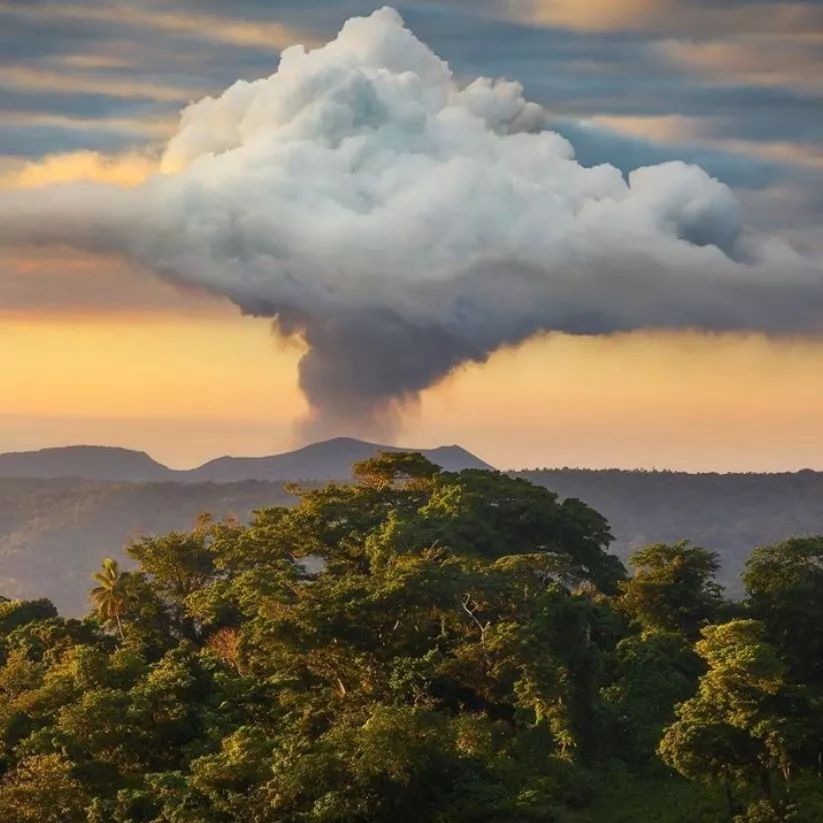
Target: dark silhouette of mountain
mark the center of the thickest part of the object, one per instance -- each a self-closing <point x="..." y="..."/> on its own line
<point x="93" y="462"/>
<point x="329" y="460"/>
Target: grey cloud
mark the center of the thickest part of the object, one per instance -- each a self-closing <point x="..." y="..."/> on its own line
<point x="404" y="224"/>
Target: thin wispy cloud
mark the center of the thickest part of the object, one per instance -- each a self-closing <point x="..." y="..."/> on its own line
<point x="761" y="60"/>
<point x="139" y="127"/>
<point x="32" y="78"/>
<point x="691" y="17"/>
<point x="710" y="132"/>
<point x="272" y="36"/>
<point x="95" y="61"/>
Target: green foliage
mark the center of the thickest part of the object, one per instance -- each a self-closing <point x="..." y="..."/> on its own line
<point x="784" y="586"/>
<point x="16" y="613"/>
<point x="729" y="513"/>
<point x="43" y="789"/>
<point x="415" y="646"/>
<point x="746" y="726"/>
<point x="651" y="674"/>
<point x="673" y="588"/>
<point x="108" y="596"/>
<point x="656" y="796"/>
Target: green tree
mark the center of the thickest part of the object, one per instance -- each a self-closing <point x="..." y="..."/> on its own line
<point x="784" y="588"/>
<point x="744" y="726"/>
<point x="409" y="470"/>
<point x="108" y="597"/>
<point x="672" y="588"/>
<point x="414" y="645"/>
<point x="179" y="563"/>
<point x="652" y="673"/>
<point x="489" y="514"/>
<point x="16" y="613"/>
<point x="43" y="789"/>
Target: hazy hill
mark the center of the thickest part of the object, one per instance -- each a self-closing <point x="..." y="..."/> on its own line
<point x="729" y="513"/>
<point x="54" y="533"/>
<point x="94" y="462"/>
<point x="329" y="460"/>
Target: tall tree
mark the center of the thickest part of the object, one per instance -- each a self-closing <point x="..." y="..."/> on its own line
<point x="784" y="588"/>
<point x="109" y="597"/>
<point x="744" y="727"/>
<point x="672" y="589"/>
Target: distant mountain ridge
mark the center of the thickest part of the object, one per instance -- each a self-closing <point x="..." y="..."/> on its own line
<point x="86" y="462"/>
<point x="54" y="532"/>
<point x="327" y="460"/>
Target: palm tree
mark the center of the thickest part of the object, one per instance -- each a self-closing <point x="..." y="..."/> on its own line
<point x="109" y="597"/>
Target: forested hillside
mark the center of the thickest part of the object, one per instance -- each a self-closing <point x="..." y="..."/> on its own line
<point x="728" y="513"/>
<point x="467" y="650"/>
<point x="52" y="532"/>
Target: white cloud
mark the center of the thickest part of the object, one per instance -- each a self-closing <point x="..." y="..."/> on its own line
<point x="403" y="224"/>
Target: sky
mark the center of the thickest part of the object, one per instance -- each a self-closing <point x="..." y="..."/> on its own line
<point x="93" y="350"/>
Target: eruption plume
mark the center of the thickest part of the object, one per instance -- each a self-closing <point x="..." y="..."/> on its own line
<point x="403" y="224"/>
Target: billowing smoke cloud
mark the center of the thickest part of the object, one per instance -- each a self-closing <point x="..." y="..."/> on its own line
<point x="404" y="224"/>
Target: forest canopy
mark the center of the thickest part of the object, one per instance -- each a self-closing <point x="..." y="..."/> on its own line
<point x="418" y="645"/>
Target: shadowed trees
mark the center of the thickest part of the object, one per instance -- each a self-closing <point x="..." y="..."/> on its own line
<point x="417" y="645"/>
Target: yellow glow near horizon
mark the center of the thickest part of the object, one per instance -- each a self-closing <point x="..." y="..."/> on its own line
<point x="187" y="388"/>
<point x="65" y="376"/>
<point x="690" y="401"/>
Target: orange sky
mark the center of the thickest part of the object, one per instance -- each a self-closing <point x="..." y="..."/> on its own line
<point x="186" y="378"/>
<point x="187" y="387"/>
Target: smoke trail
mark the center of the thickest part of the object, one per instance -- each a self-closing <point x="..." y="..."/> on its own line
<point x="403" y="224"/>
